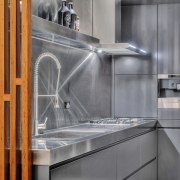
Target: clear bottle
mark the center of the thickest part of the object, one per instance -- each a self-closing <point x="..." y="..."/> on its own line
<point x="73" y="16"/>
<point x="77" y="24"/>
<point x="64" y="15"/>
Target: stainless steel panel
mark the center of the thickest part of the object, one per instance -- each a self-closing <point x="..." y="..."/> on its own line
<point x="128" y="158"/>
<point x="138" y="2"/>
<point x="85" y="82"/>
<point x="149" y="172"/>
<point x="168" y="154"/>
<point x="118" y="21"/>
<point x="135" y="153"/>
<point x="168" y="114"/>
<point x="40" y="173"/>
<point x="54" y="5"/>
<point x="99" y="166"/>
<point x="139" y="28"/>
<point x="169" y="39"/>
<point x="168" y="1"/>
<point x="84" y="11"/>
<point x="134" y="65"/>
<point x="148" y="2"/>
<point x="104" y="20"/>
<point x="135" y="96"/>
<point x="148" y="145"/>
<point x="169" y="123"/>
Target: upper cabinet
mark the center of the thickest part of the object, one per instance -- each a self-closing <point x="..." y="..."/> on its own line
<point x="104" y="20"/>
<point x="169" y="39"/>
<point x="99" y="18"/>
<point x="85" y="13"/>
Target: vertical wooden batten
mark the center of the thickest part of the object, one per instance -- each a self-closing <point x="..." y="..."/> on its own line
<point x="26" y="90"/>
<point x="13" y="59"/>
<point x="15" y="91"/>
<point x="3" y="60"/>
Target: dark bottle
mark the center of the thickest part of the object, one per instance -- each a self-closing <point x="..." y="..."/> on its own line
<point x="64" y="15"/>
<point x="44" y="10"/>
<point x="73" y="16"/>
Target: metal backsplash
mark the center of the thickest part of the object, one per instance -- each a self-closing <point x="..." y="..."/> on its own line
<point x="85" y="84"/>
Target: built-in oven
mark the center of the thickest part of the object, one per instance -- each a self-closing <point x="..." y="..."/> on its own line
<point x="169" y="97"/>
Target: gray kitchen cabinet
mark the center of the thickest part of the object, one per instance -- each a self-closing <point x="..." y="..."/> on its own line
<point x="135" y="153"/>
<point x="114" y="163"/>
<point x="104" y="20"/>
<point x="85" y="13"/>
<point x="149" y="172"/>
<point x="135" y="96"/>
<point x="168" y="154"/>
<point x="98" y="166"/>
<point x="169" y="39"/>
<point x="139" y="28"/>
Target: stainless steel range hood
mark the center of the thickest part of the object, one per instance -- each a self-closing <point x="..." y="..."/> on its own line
<point x="120" y="49"/>
<point x="55" y="33"/>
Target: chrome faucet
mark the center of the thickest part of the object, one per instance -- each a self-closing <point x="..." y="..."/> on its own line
<point x="42" y="126"/>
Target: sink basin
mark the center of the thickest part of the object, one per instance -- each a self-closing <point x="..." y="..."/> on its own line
<point x="71" y="134"/>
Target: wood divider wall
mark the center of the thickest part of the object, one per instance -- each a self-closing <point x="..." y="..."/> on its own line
<point x="15" y="90"/>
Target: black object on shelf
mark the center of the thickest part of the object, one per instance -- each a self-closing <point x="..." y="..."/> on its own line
<point x="64" y="15"/>
<point x="73" y="16"/>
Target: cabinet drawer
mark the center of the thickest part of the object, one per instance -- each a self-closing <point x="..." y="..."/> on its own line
<point x="135" y="153"/>
<point x="99" y="166"/>
<point x="149" y="172"/>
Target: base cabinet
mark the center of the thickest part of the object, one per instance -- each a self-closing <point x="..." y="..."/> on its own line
<point x="135" y="153"/>
<point x="132" y="159"/>
<point x="168" y="154"/>
<point x="149" y="172"/>
<point x="99" y="166"/>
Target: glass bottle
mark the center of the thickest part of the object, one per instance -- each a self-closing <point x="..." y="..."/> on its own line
<point x="73" y="16"/>
<point x="77" y="24"/>
<point x="64" y="15"/>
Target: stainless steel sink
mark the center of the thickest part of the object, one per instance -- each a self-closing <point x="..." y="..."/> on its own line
<point x="72" y="134"/>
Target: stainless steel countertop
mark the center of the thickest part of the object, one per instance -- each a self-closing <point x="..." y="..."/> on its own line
<point x="50" y="151"/>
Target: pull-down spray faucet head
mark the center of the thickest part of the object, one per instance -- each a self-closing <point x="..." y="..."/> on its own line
<point x="36" y="88"/>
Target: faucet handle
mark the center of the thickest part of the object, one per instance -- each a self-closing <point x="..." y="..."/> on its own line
<point x="43" y="125"/>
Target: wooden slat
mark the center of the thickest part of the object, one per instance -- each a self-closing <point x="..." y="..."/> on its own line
<point x="19" y="81"/>
<point x="3" y="58"/>
<point x="13" y="57"/>
<point x="26" y="90"/>
<point x="18" y="41"/>
<point x="7" y="97"/>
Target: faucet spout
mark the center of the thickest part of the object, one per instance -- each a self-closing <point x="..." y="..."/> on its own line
<point x="36" y="89"/>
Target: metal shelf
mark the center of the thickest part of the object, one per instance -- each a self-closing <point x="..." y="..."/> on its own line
<point x="56" y="33"/>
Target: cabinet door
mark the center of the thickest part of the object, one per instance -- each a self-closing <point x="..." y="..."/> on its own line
<point x="168" y="154"/>
<point x="149" y="172"/>
<point x="135" y="153"/>
<point x="169" y="39"/>
<point x="99" y="166"/>
<point x="135" y="96"/>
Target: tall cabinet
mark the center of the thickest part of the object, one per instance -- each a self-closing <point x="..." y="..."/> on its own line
<point x="169" y="106"/>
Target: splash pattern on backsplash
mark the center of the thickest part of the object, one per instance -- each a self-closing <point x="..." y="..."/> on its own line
<point x="84" y="90"/>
